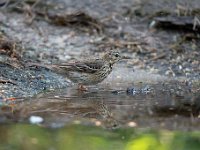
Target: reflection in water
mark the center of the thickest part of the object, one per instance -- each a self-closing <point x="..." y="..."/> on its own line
<point x="165" y="106"/>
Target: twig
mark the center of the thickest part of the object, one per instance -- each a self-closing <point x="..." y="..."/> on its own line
<point x="7" y="81"/>
<point x="196" y="21"/>
<point x="158" y="57"/>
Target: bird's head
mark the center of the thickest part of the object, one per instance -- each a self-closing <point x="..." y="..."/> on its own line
<point x="112" y="56"/>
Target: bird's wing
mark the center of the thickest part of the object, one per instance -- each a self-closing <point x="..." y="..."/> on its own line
<point x="90" y="66"/>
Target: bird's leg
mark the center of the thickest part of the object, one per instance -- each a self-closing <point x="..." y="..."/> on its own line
<point x="82" y="88"/>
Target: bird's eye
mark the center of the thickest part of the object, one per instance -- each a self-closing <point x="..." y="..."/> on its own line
<point x="117" y="55"/>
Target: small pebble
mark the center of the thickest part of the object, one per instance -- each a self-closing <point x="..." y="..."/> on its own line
<point x="132" y="91"/>
<point x="98" y="123"/>
<point x="132" y="124"/>
<point x="36" y="119"/>
<point x="152" y="24"/>
<point x="146" y="90"/>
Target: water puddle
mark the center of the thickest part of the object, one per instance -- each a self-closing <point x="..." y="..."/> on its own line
<point x="160" y="105"/>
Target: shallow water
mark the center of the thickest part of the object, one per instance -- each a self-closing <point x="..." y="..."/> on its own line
<point x="114" y="103"/>
<point x="129" y="110"/>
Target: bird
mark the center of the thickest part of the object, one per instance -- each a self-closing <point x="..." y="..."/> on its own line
<point x="91" y="71"/>
<point x="88" y="71"/>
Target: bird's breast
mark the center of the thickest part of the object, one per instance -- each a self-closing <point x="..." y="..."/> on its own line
<point x="103" y="73"/>
<point x="91" y="78"/>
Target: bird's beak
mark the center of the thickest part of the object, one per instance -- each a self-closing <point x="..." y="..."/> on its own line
<point x="125" y="57"/>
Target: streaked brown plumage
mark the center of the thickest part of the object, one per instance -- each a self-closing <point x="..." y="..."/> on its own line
<point x="89" y="72"/>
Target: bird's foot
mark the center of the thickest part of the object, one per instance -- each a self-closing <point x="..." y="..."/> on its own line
<point x="82" y="88"/>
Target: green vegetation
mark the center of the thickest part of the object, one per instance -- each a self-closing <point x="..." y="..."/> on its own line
<point x="78" y="137"/>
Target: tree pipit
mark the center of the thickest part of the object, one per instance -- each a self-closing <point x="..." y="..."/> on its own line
<point x="88" y="72"/>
